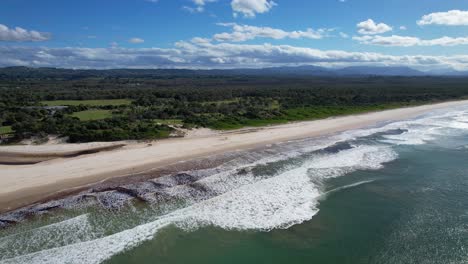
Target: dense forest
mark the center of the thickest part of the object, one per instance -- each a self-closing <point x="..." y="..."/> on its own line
<point x="107" y="108"/>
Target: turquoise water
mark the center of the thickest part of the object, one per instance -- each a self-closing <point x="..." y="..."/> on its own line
<point x="396" y="193"/>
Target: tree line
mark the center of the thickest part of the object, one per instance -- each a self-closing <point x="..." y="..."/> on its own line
<point x="221" y="102"/>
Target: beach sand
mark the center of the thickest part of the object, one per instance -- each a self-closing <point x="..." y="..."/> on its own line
<point x="32" y="154"/>
<point x="21" y="185"/>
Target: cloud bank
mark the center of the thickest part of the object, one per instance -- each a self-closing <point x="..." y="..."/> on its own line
<point x="449" y="18"/>
<point x="21" y="35"/>
<point x="205" y="54"/>
<point x="242" y="33"/>
<point x="406" y="41"/>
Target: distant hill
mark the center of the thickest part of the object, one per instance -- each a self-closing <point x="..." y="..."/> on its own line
<point x="27" y="72"/>
<point x="380" y="71"/>
<point x="447" y="72"/>
<point x="310" y="70"/>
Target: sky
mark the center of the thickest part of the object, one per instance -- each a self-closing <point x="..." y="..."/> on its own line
<point x="103" y="34"/>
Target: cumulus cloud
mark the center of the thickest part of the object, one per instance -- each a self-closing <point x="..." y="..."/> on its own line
<point x="369" y="27"/>
<point x="205" y="54"/>
<point x="21" y="35"/>
<point x="449" y="18"/>
<point x="242" y="33"/>
<point x="405" y="41"/>
<point x="136" y="40"/>
<point x="249" y="8"/>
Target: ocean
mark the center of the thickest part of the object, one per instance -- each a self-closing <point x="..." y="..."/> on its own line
<point x="393" y="193"/>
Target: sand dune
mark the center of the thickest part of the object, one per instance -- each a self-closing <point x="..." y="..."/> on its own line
<point x="24" y="184"/>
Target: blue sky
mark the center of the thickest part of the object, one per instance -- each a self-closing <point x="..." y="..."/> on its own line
<point x="425" y="34"/>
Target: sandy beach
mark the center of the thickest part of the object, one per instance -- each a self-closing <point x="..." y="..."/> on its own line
<point x="25" y="184"/>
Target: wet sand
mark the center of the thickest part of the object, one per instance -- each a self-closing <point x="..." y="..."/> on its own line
<point x="25" y="184"/>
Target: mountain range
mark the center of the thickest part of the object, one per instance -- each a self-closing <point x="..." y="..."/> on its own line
<point x="303" y="71"/>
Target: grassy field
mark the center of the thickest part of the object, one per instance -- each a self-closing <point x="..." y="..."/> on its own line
<point x="113" y="102"/>
<point x="89" y="115"/>
<point x="5" y="130"/>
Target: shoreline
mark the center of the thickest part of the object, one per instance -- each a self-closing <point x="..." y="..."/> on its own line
<point x="23" y="185"/>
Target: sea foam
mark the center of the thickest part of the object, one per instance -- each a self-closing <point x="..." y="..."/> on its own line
<point x="257" y="203"/>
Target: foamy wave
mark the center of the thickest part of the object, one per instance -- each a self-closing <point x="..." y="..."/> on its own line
<point x="70" y="231"/>
<point x="426" y="129"/>
<point x="91" y="252"/>
<point x="413" y="137"/>
<point x="260" y="203"/>
<point x="288" y="198"/>
<point x="277" y="202"/>
<point x="360" y="157"/>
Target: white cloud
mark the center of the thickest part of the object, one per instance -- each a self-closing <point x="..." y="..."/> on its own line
<point x="202" y="2"/>
<point x="197" y="9"/>
<point x="403" y="28"/>
<point x="369" y="27"/>
<point x="21" y="35"/>
<point x="449" y="18"/>
<point x="199" y="6"/>
<point x="242" y="33"/>
<point x="205" y="54"/>
<point x="405" y="41"/>
<point x="136" y="40"/>
<point x="198" y="40"/>
<point x="249" y="8"/>
<point x="344" y="35"/>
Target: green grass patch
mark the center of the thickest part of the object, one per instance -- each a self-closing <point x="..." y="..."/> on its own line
<point x="110" y="102"/>
<point x="90" y="115"/>
<point x="5" y="130"/>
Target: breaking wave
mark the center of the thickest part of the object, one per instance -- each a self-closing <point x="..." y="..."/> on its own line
<point x="251" y="202"/>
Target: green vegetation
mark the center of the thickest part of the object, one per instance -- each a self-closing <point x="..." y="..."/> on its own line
<point x="309" y="113"/>
<point x="110" y="102"/>
<point x="116" y="129"/>
<point x="89" y="115"/>
<point x="170" y="122"/>
<point x="5" y="130"/>
<point x="220" y="102"/>
<point x="300" y="114"/>
<point x="112" y="108"/>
